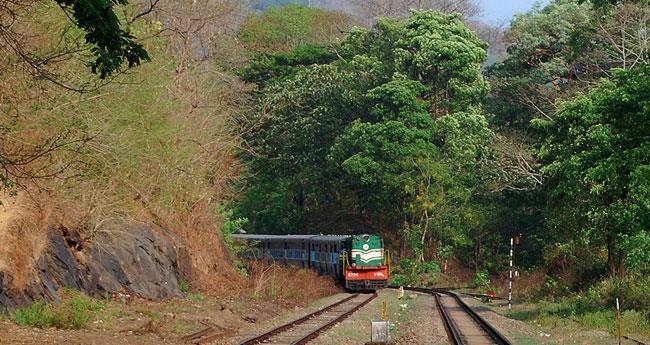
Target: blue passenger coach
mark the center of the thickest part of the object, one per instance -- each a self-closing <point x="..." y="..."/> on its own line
<point x="325" y="254"/>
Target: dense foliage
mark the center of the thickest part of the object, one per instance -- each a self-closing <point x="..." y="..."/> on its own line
<point x="110" y="44"/>
<point x="386" y="131"/>
<point x="402" y="129"/>
<point x="589" y="142"/>
<point x="385" y="136"/>
<point x="284" y="28"/>
<point x="597" y="159"/>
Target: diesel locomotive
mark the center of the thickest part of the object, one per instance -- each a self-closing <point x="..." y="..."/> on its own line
<point x="359" y="261"/>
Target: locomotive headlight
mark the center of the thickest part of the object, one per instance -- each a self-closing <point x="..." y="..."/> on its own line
<point x="366" y="238"/>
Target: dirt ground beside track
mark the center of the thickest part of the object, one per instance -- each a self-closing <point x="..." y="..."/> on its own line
<point x="424" y="326"/>
<point x="414" y="320"/>
<point x="529" y="333"/>
<point x="160" y="323"/>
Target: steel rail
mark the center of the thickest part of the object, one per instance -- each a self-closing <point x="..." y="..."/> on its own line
<point x="330" y="324"/>
<point x="453" y="331"/>
<point x="492" y="332"/>
<point x="282" y="328"/>
<point x="198" y="335"/>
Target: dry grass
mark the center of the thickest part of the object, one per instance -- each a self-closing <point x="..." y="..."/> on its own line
<point x="457" y="275"/>
<point x="522" y="285"/>
<point x="287" y="285"/>
<point x="154" y="146"/>
<point x="23" y="234"/>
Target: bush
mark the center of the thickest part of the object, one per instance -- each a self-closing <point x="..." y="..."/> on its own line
<point x="286" y="285"/>
<point x="399" y="280"/>
<point x="412" y="273"/>
<point x="184" y="286"/>
<point x="74" y="312"/>
<point x="430" y="267"/>
<point x="595" y="308"/>
<point x="39" y="315"/>
<point x="633" y="293"/>
<point x="481" y="279"/>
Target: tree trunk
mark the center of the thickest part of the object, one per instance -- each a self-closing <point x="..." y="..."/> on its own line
<point x="610" y="256"/>
<point x="621" y="263"/>
<point x="424" y="234"/>
<point x="477" y="255"/>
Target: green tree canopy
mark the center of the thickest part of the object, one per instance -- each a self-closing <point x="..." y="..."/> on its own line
<point x="384" y="135"/>
<point x="110" y="44"/>
<point x="597" y="159"/>
<point x="280" y="29"/>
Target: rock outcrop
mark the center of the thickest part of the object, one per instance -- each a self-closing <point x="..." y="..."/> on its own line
<point x="136" y="259"/>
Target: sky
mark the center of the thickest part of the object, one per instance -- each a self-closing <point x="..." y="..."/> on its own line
<point x="497" y="11"/>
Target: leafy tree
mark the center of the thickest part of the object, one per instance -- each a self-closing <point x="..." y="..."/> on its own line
<point x="370" y="10"/>
<point x="266" y="68"/>
<point x="299" y="120"/>
<point x="543" y="57"/>
<point x="555" y="53"/>
<point x="438" y="50"/>
<point x="110" y="44"/>
<point x="386" y="136"/>
<point x="280" y="29"/>
<point x="597" y="159"/>
<point x="560" y="50"/>
<point x="606" y="3"/>
<point x="378" y="157"/>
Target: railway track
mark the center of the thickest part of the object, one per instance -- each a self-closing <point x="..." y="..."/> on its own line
<point x="310" y="326"/>
<point x="464" y="326"/>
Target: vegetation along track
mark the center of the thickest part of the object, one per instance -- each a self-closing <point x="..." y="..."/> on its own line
<point x="464" y="325"/>
<point x="308" y="327"/>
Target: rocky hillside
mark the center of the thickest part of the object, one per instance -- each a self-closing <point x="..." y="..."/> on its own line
<point x="39" y="258"/>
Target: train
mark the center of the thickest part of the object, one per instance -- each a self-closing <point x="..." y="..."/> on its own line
<point x="360" y="262"/>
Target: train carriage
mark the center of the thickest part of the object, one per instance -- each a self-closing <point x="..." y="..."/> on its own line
<point x="296" y="250"/>
<point x="360" y="261"/>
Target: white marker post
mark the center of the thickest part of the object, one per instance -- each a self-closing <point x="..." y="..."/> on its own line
<point x="618" y="317"/>
<point x="512" y="244"/>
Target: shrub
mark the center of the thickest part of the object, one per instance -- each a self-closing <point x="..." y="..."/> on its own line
<point x="184" y="285"/>
<point x="430" y="267"/>
<point x="481" y="279"/>
<point x="412" y="272"/>
<point x="287" y="284"/>
<point x="74" y="312"/>
<point x="399" y="280"/>
<point x="633" y="293"/>
<point x="38" y="315"/>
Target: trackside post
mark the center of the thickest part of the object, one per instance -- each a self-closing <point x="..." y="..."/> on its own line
<point x="512" y="246"/>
